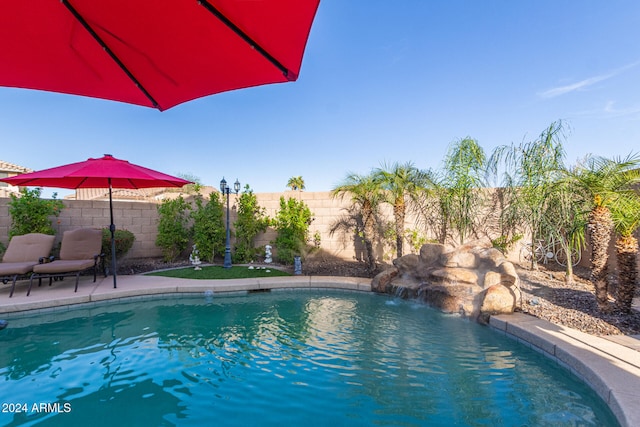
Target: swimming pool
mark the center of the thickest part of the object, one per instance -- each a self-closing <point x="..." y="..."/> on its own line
<point x="281" y="358"/>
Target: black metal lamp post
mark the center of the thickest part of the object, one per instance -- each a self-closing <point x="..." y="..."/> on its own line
<point x="224" y="188"/>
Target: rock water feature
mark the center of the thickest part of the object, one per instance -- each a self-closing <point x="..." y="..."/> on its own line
<point x="474" y="279"/>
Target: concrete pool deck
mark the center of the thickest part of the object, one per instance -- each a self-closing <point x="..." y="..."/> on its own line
<point x="609" y="365"/>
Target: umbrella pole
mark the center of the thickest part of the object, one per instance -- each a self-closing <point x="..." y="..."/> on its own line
<point x="112" y="228"/>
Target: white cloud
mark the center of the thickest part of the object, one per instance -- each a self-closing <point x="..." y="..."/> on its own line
<point x="561" y="90"/>
<point x="611" y="110"/>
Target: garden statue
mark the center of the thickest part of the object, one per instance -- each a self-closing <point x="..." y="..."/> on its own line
<point x="267" y="254"/>
<point x="194" y="258"/>
<point x="297" y="265"/>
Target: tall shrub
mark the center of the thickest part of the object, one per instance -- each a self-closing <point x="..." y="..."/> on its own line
<point x="208" y="226"/>
<point x="252" y="220"/>
<point x="292" y="223"/>
<point x="173" y="230"/>
<point x="31" y="214"/>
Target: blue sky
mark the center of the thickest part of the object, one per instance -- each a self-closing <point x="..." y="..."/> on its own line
<point x="380" y="82"/>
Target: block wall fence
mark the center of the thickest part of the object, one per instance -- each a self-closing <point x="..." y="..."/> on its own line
<point x="141" y="218"/>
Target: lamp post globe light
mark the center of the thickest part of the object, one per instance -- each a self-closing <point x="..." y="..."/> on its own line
<point x="224" y="189"/>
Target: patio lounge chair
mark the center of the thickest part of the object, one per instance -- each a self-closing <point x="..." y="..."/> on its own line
<point x="79" y="251"/>
<point x="23" y="253"/>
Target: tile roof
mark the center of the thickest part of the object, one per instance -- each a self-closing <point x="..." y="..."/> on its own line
<point x="10" y="167"/>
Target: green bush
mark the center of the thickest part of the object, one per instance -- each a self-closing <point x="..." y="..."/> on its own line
<point x="208" y="227"/>
<point x="124" y="241"/>
<point x="292" y="223"/>
<point x="173" y="230"/>
<point x="31" y="214"/>
<point x="251" y="221"/>
<point x="505" y="243"/>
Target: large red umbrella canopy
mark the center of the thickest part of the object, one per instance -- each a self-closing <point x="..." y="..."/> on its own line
<point x="105" y="172"/>
<point x="157" y="54"/>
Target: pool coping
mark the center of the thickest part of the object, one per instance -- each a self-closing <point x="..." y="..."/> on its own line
<point x="610" y="366"/>
<point x="611" y="369"/>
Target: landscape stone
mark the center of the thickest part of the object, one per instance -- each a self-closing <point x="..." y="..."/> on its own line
<point x="473" y="279"/>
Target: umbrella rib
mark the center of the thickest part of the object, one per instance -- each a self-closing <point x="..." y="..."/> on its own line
<point x="254" y="45"/>
<point x="113" y="56"/>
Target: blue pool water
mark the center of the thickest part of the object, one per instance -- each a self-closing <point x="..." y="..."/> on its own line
<point x="303" y="358"/>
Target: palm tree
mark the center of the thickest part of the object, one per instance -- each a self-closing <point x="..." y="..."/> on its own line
<point x="603" y="180"/>
<point x="402" y="184"/>
<point x="296" y="183"/>
<point x="626" y="219"/>
<point x="464" y="168"/>
<point x="365" y="192"/>
<point x="565" y="221"/>
<point x="530" y="172"/>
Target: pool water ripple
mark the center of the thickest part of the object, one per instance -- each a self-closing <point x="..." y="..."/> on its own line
<point x="287" y="358"/>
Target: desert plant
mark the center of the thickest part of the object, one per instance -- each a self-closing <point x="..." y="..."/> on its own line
<point x="208" y="226"/>
<point x="31" y="214"/>
<point x="173" y="230"/>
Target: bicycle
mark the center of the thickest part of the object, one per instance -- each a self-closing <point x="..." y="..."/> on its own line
<point x="544" y="252"/>
<point x="540" y="251"/>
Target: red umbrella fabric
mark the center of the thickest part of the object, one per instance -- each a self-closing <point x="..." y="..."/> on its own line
<point x="157" y="54"/>
<point x="105" y="172"/>
<point x="97" y="173"/>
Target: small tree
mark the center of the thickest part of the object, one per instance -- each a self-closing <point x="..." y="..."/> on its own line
<point x="292" y="223"/>
<point x="31" y="214"/>
<point x="252" y="220"/>
<point x="208" y="226"/>
<point x="173" y="231"/>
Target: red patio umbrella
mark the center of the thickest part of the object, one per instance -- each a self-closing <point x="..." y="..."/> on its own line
<point x="157" y="54"/>
<point x="105" y="172"/>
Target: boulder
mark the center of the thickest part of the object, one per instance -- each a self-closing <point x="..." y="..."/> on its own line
<point x="499" y="299"/>
<point x="431" y="252"/>
<point x="474" y="279"/>
<point x="381" y="281"/>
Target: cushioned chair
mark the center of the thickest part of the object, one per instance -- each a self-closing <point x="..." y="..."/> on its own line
<point x="79" y="251"/>
<point x="24" y="252"/>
